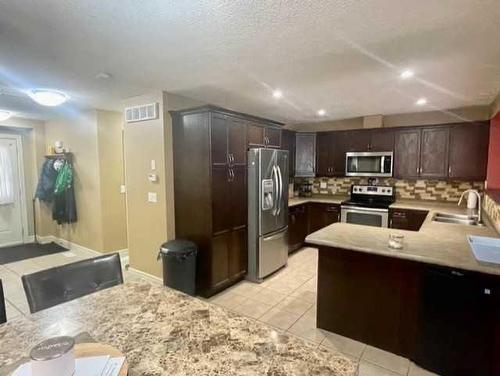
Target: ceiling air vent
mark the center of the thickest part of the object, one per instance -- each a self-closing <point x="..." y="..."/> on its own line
<point x="141" y="113"/>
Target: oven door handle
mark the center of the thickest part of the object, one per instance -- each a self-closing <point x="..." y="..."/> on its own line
<point x="363" y="210"/>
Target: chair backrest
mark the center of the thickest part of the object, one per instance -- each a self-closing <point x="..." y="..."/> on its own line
<point x="3" y="315"/>
<point x="54" y="286"/>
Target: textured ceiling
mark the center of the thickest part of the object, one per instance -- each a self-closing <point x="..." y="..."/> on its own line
<point x="343" y="56"/>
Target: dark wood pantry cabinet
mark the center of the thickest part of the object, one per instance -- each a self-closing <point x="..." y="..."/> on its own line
<point x="260" y="136"/>
<point x="288" y="143"/>
<point x="210" y="186"/>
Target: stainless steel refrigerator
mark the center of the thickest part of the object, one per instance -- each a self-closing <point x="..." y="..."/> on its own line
<point x="267" y="212"/>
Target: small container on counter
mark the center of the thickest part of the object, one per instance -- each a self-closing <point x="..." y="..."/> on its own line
<point x="396" y="241"/>
<point x="54" y="356"/>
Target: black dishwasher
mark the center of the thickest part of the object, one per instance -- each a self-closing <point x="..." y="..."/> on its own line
<point x="458" y="330"/>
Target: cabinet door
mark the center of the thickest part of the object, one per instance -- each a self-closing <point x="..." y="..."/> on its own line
<point x="238" y="255"/>
<point x="219" y="266"/>
<point x="255" y="136"/>
<point x="469" y="151"/>
<point x="237" y="141"/>
<point x="407" y="154"/>
<point x="237" y="199"/>
<point x="272" y="137"/>
<point x="339" y="140"/>
<point x="331" y="214"/>
<point x="218" y="140"/>
<point x="434" y="152"/>
<point x="382" y="140"/>
<point x="221" y="216"/>
<point x="288" y="143"/>
<point x="297" y="226"/>
<point x="323" y="165"/>
<point x="321" y="215"/>
<point x="404" y="219"/>
<point x="305" y="154"/>
<point x="357" y="140"/>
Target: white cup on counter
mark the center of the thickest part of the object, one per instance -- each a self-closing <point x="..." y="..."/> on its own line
<point x="396" y="241"/>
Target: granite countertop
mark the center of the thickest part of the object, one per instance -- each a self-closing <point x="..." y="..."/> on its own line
<point x="436" y="243"/>
<point x="164" y="332"/>
<point x="325" y="199"/>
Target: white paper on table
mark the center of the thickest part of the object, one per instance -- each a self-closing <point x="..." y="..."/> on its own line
<point x="90" y="366"/>
<point x="113" y="367"/>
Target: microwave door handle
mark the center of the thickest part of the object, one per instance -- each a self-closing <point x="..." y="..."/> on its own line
<point x="382" y="164"/>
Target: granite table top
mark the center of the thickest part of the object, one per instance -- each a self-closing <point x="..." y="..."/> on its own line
<point x="164" y="332"/>
<point x="436" y="243"/>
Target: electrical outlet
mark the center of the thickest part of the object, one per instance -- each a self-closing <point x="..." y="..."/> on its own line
<point x="152" y="197"/>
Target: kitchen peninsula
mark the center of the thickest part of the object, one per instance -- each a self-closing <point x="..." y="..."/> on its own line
<point x="164" y="332"/>
<point x="431" y="301"/>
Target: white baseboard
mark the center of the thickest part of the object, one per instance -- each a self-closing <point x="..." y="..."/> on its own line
<point x="77" y="247"/>
<point x="146" y="276"/>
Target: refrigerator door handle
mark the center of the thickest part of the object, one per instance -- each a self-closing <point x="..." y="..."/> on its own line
<point x="274" y="177"/>
<point x="280" y="189"/>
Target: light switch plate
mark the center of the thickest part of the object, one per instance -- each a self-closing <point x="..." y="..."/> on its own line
<point x="152" y="197"/>
<point x="122" y="188"/>
<point x="153" y="164"/>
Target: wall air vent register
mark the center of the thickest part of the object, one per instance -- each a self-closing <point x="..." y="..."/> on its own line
<point x="141" y="113"/>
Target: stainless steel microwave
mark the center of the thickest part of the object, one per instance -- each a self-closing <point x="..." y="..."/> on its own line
<point x="369" y="163"/>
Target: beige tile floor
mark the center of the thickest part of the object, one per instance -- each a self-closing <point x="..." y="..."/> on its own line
<point x="287" y="301"/>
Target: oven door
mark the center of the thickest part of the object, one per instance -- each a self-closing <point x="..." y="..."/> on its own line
<point x="365" y="216"/>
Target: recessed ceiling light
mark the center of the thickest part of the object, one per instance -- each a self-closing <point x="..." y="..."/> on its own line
<point x="408" y="73"/>
<point x="103" y="76"/>
<point x="277" y="93"/>
<point x="321" y="112"/>
<point x="421" y="102"/>
<point x="4" y="115"/>
<point x="47" y="97"/>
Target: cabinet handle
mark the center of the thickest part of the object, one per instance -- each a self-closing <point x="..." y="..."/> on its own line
<point x="449" y="170"/>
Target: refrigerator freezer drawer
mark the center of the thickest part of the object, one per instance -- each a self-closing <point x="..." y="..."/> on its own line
<point x="273" y="252"/>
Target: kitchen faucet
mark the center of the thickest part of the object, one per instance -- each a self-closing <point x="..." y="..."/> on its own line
<point x="478" y="201"/>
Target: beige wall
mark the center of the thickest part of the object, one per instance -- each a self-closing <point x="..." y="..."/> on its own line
<point x="111" y="175"/>
<point x="495" y="106"/>
<point x="33" y="142"/>
<point x="474" y="113"/>
<point x="150" y="224"/>
<point x="79" y="134"/>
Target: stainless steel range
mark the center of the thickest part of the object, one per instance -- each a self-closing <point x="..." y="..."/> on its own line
<point x="368" y="205"/>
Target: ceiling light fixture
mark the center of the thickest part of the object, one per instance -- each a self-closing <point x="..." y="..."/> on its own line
<point x="321" y="112"/>
<point x="277" y="93"/>
<point x="408" y="73"/>
<point x="4" y="115"/>
<point x="47" y="97"/>
<point x="421" y="102"/>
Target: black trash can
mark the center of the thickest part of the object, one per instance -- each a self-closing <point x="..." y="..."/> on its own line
<point x="179" y="265"/>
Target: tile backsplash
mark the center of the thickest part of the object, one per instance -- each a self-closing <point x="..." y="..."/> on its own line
<point x="432" y="190"/>
<point x="492" y="210"/>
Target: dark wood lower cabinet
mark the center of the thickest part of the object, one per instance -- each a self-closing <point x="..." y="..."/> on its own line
<point x="321" y="215"/>
<point x="407" y="219"/>
<point x="444" y="320"/>
<point x="297" y="226"/>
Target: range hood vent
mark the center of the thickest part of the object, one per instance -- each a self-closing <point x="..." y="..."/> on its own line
<point x="141" y="113"/>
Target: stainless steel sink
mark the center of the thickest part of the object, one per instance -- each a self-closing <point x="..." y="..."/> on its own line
<point x="459" y="219"/>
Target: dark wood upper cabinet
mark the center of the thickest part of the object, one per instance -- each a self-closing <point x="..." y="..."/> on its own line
<point x="381" y="140"/>
<point x="272" y="137"/>
<point x="407" y="154"/>
<point x="305" y="154"/>
<point x="255" y="135"/>
<point x="469" y="151"/>
<point x="237" y="141"/>
<point x="288" y="143"/>
<point x="434" y="152"/>
<point x="324" y="154"/>
<point x="218" y="140"/>
<point x="339" y="140"/>
<point x="358" y="140"/>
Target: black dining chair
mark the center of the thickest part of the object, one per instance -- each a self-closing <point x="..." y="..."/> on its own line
<point x="3" y="314"/>
<point x="54" y="286"/>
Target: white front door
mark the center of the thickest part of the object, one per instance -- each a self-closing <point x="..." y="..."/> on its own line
<point x="11" y="218"/>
